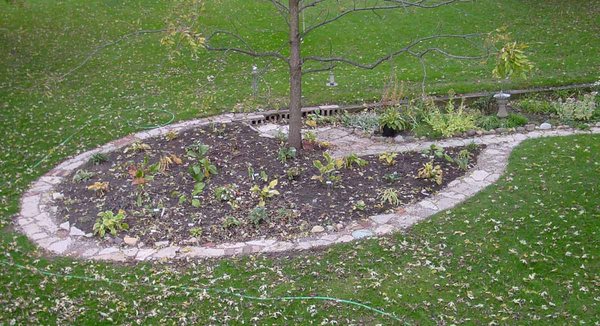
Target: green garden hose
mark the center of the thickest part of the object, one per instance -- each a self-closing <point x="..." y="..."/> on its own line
<point x="209" y="289"/>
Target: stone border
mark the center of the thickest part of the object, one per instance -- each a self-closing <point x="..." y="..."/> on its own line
<point x="37" y="216"/>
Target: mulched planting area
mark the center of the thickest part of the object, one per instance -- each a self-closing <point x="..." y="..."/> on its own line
<point x="159" y="206"/>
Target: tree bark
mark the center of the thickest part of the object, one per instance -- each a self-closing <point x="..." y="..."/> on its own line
<point x="295" y="63"/>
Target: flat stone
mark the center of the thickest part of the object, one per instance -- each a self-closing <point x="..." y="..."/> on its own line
<point x="263" y="243"/>
<point x="545" y="126"/>
<point x="344" y="238"/>
<point x="384" y="229"/>
<point x="143" y="254"/>
<point x="131" y="241"/>
<point x="530" y="127"/>
<point x="65" y="226"/>
<point x="159" y="244"/>
<point x="76" y="232"/>
<point x="109" y="250"/>
<point x="382" y="219"/>
<point x="317" y="229"/>
<point x="60" y="246"/>
<point x="520" y="129"/>
<point x="168" y="252"/>
<point x="429" y="205"/>
<point x="479" y="175"/>
<point x="58" y="196"/>
<point x="399" y="139"/>
<point x="363" y="233"/>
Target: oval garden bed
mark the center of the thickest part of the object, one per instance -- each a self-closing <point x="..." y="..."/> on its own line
<point x="225" y="183"/>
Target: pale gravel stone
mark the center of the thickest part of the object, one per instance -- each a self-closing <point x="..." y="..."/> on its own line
<point x="65" y="226"/>
<point x="160" y="244"/>
<point x="363" y="233"/>
<point x="76" y="232"/>
<point x="130" y="241"/>
<point x="317" y="229"/>
<point x="32" y="229"/>
<point x="131" y="252"/>
<point x="345" y="238"/>
<point x="280" y="246"/>
<point x="90" y="252"/>
<point x="428" y="204"/>
<point x="37" y="236"/>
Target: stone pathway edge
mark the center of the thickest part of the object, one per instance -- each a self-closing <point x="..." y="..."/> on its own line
<point x="38" y="222"/>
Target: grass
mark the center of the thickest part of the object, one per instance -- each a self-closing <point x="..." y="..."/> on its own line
<point x="523" y="251"/>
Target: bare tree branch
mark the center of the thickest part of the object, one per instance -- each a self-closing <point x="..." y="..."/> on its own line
<point x="247" y="50"/>
<point x="406" y="49"/>
<point x="393" y="4"/>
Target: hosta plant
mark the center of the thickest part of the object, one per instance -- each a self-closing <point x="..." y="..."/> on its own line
<point x="431" y="172"/>
<point x="110" y="222"/>
<point x="265" y="192"/>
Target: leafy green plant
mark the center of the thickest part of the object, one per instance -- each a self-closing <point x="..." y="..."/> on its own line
<point x="230" y="222"/>
<point x="489" y="122"/>
<point x="359" y="205"/>
<point x="265" y="192"/>
<point x="225" y="193"/>
<point x="451" y="122"/>
<point x="197" y="150"/>
<point x="431" y="172"/>
<point x="328" y="170"/>
<point x="511" y="60"/>
<point x="516" y="120"/>
<point x="203" y="169"/>
<point x="310" y="136"/>
<point x="391" y="177"/>
<point x="389" y="196"/>
<point x="281" y="136"/>
<point x="462" y="159"/>
<point x="137" y="147"/>
<point x="353" y="159"/>
<point x="388" y="158"/>
<point x="258" y="215"/>
<point x="573" y="109"/>
<point x="286" y="153"/>
<point x="439" y="152"/>
<point x="393" y="120"/>
<point x="108" y="221"/>
<point x="98" y="158"/>
<point x="83" y="175"/>
<point x="196" y="231"/>
<point x="293" y="173"/>
<point x="472" y="146"/>
<point x="535" y="106"/>
<point x="367" y="121"/>
<point x="286" y="214"/>
<point x="171" y="135"/>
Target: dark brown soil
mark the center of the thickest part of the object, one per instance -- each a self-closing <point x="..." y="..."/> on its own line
<point x="302" y="203"/>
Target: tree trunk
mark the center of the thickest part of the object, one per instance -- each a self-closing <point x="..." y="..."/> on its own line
<point x="295" y="123"/>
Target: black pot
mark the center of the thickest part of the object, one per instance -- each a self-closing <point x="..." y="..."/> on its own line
<point x="388" y="132"/>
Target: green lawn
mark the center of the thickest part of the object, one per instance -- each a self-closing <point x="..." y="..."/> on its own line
<point x="523" y="251"/>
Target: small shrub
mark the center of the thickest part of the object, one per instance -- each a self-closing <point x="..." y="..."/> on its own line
<point x="82" y="175"/>
<point x="366" y="121"/>
<point x="430" y="172"/>
<point x="388" y="158"/>
<point x="516" y="120"/>
<point x="353" y="159"/>
<point x="359" y="206"/>
<point x="489" y="122"/>
<point x="225" y="193"/>
<point x="196" y="231"/>
<point x="451" y="122"/>
<point x="265" y="192"/>
<point x="286" y="153"/>
<point x="535" y="106"/>
<point x="463" y="159"/>
<point x="110" y="222"/>
<point x="391" y="177"/>
<point x="230" y="222"/>
<point x="392" y="121"/>
<point x="258" y="215"/>
<point x="389" y="196"/>
<point x="98" y="158"/>
<point x="328" y="170"/>
<point x="293" y="173"/>
<point x="572" y="109"/>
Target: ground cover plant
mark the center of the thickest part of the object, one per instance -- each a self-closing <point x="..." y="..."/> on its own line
<point x="225" y="183"/>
